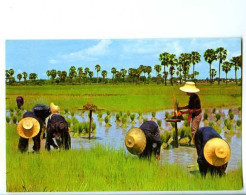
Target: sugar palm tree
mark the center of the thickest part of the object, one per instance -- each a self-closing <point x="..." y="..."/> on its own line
<point x="148" y="70"/>
<point x="213" y="73"/>
<point x="97" y="68"/>
<point x="87" y="70"/>
<point x="33" y="76"/>
<point x="185" y="61"/>
<point x="53" y="74"/>
<point x="237" y="63"/>
<point x="80" y="72"/>
<point x="226" y="67"/>
<point x="172" y="62"/>
<point x="157" y="68"/>
<point x="19" y="77"/>
<point x="24" y="76"/>
<point x="113" y="71"/>
<point x="221" y="56"/>
<point x="195" y="58"/>
<point x="210" y="56"/>
<point x="164" y="58"/>
<point x="63" y="75"/>
<point x="72" y="72"/>
<point x="48" y="73"/>
<point x="123" y="73"/>
<point x="91" y="75"/>
<point x="104" y="74"/>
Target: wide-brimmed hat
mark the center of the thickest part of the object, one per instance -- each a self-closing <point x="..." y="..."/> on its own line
<point x="217" y="152"/>
<point x="28" y="127"/>
<point x="135" y="141"/>
<point x="54" y="108"/>
<point x="189" y="87"/>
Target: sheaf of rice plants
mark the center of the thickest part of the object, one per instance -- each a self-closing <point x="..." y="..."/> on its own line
<point x="231" y="116"/>
<point x="140" y="115"/>
<point x="153" y="115"/>
<point x="124" y="120"/>
<point x="7" y="119"/>
<point x="106" y="120"/>
<point x="159" y="122"/>
<point x="100" y="116"/>
<point x="165" y="137"/>
<point x="205" y="116"/>
<point x="214" y="110"/>
<point x="14" y="119"/>
<point x="108" y="113"/>
<point x="218" y="116"/>
<point x="239" y="123"/>
<point x="117" y="117"/>
<point x="132" y="116"/>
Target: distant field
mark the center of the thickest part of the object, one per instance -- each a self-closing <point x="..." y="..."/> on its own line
<point x="122" y="97"/>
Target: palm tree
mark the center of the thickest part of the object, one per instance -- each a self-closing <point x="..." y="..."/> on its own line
<point x="210" y="56"/>
<point x="113" y="71"/>
<point x="195" y="58"/>
<point x="104" y="74"/>
<point x="19" y="77"/>
<point x="123" y="73"/>
<point x="33" y="76"/>
<point x="221" y="56"/>
<point x="80" y="72"/>
<point x="25" y="75"/>
<point x="63" y="75"/>
<point x="185" y="61"/>
<point x="72" y="72"/>
<point x="48" y="73"/>
<point x="87" y="70"/>
<point x="148" y="70"/>
<point x="118" y="75"/>
<point x="97" y="68"/>
<point x="213" y="73"/>
<point x="91" y="75"/>
<point x="172" y="62"/>
<point x="237" y="63"/>
<point x="226" y="67"/>
<point x="179" y="70"/>
<point x="53" y="74"/>
<point x="164" y="58"/>
<point x="157" y="68"/>
<point x="7" y="75"/>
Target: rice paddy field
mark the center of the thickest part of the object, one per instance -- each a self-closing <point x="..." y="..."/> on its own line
<point x="99" y="165"/>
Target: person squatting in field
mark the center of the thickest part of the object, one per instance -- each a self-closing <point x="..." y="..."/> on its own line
<point x="193" y="109"/>
<point x="153" y="140"/>
<point x="57" y="127"/>
<point x="39" y="112"/>
<point x="213" y="152"/>
<point x="19" y="101"/>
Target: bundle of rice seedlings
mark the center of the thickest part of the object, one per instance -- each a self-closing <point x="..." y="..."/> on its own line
<point x="117" y="117"/>
<point x="128" y="113"/>
<point x="140" y="116"/>
<point x="132" y="116"/>
<point x="159" y="122"/>
<point x="217" y="116"/>
<point x="214" y="110"/>
<point x="108" y="112"/>
<point x="239" y="123"/>
<point x="205" y="116"/>
<point x="14" y="119"/>
<point x="7" y="119"/>
<point x="231" y="115"/>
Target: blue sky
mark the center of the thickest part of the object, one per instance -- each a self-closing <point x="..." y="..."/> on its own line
<point x="41" y="55"/>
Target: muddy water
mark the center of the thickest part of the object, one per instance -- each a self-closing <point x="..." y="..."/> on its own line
<point x="114" y="136"/>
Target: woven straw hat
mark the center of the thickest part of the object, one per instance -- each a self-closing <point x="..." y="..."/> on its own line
<point x="189" y="87"/>
<point x="28" y="127"/>
<point x="135" y="141"/>
<point x="217" y="152"/>
<point x="54" y="108"/>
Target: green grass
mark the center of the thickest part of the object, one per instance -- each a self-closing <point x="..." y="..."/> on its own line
<point x="122" y="97"/>
<point x="101" y="169"/>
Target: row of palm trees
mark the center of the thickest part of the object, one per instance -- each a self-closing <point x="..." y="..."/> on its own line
<point x="170" y="62"/>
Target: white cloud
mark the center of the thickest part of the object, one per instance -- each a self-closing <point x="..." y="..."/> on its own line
<point x="52" y="61"/>
<point x="90" y="53"/>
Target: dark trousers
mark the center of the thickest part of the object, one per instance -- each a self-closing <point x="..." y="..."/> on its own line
<point x="23" y="143"/>
<point x="205" y="168"/>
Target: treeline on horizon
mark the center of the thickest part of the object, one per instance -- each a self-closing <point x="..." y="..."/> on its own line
<point x="176" y="68"/>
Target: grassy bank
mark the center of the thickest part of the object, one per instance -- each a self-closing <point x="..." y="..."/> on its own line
<point x="101" y="169"/>
<point x="144" y="98"/>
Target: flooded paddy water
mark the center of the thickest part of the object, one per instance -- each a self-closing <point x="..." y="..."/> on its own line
<point x="114" y="135"/>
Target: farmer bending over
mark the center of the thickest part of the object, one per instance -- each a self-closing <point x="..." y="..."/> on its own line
<point x="144" y="140"/>
<point x="213" y="152"/>
<point x="19" y="101"/>
<point x="32" y="127"/>
<point x="193" y="108"/>
<point x="57" y="127"/>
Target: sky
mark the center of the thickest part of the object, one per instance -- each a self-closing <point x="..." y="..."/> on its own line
<point x="41" y="55"/>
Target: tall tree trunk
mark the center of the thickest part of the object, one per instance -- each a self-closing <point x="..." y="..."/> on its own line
<point x="165" y="80"/>
<point x="236" y="75"/>
<point x="219" y="73"/>
<point x="194" y="72"/>
<point x="226" y="78"/>
<point x="210" y="74"/>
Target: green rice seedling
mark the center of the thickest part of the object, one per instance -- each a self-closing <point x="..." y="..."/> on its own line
<point x="229" y="111"/>
<point x="14" y="119"/>
<point x="79" y="128"/>
<point x="205" y="116"/>
<point x="100" y="116"/>
<point x="66" y="110"/>
<point x="218" y="116"/>
<point x="128" y="113"/>
<point x="85" y="127"/>
<point x="124" y="120"/>
<point x="7" y="119"/>
<point x="153" y="114"/>
<point x="165" y="136"/>
<point x="214" y="110"/>
<point x="106" y="120"/>
<point x="93" y="126"/>
<point x="72" y="114"/>
<point x="74" y="120"/>
<point x="145" y="120"/>
<point x="211" y="124"/>
<point x="121" y="113"/>
<point x="217" y="128"/>
<point x="226" y="122"/>
<point x="229" y="126"/>
<point x="117" y="117"/>
<point x="132" y="116"/>
<point x="239" y="123"/>
<point x="108" y="112"/>
<point x="166" y="115"/>
<point x="231" y="115"/>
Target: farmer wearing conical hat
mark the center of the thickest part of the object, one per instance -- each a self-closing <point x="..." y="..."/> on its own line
<point x="31" y="126"/>
<point x="213" y="152"/>
<point x="193" y="109"/>
<point x="145" y="140"/>
<point x="57" y="127"/>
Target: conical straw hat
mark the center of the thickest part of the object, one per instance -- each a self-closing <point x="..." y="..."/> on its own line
<point x="54" y="108"/>
<point x="135" y="141"/>
<point x="217" y="152"/>
<point x="189" y="87"/>
<point x="28" y="127"/>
